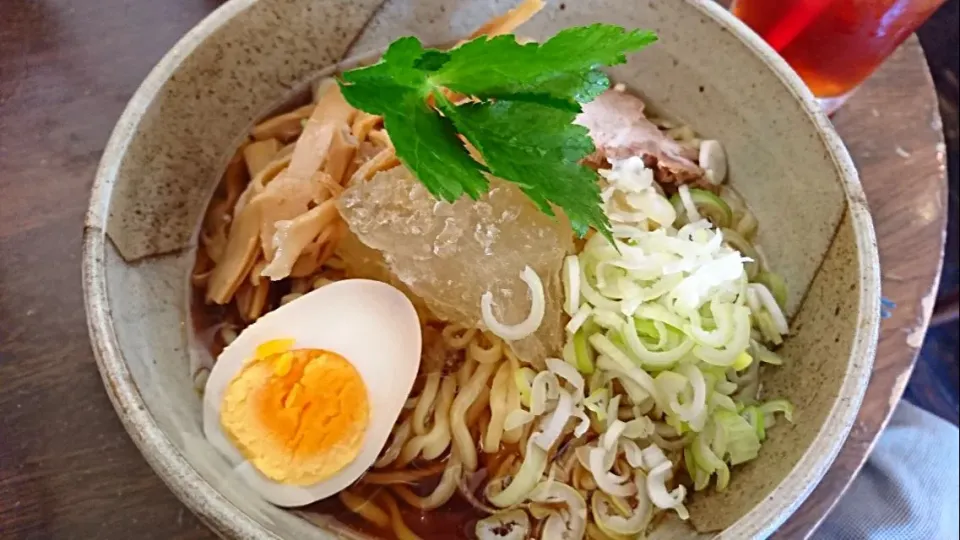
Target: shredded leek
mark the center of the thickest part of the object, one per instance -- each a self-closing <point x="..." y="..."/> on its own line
<point x="534" y="463"/>
<point x="743" y="361"/>
<point x="523" y="378"/>
<point x="780" y="406"/>
<point x="746" y="226"/>
<point x="754" y="417"/>
<point x="768" y="328"/>
<point x="583" y="354"/>
<point x="527" y="326"/>
<point x="507" y="525"/>
<point x="597" y="403"/>
<point x="741" y="244"/>
<point x="764" y="354"/>
<point x="668" y="327"/>
<point x="777" y="286"/>
<point x="707" y="205"/>
<point x="742" y="443"/>
<point x="571" y="284"/>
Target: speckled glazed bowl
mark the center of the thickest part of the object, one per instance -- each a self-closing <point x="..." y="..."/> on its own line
<point x="181" y="128"/>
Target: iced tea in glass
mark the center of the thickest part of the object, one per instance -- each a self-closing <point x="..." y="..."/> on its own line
<point x="834" y="44"/>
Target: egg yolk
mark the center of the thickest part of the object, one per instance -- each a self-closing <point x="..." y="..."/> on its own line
<point x="299" y="416"/>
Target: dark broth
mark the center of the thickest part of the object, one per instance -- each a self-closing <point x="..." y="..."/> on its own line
<point x="454" y="520"/>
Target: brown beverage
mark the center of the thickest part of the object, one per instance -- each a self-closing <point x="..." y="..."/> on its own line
<point x="834" y="44"/>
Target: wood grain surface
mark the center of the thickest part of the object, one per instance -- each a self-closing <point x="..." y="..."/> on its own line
<point x="893" y="130"/>
<point x="68" y="470"/>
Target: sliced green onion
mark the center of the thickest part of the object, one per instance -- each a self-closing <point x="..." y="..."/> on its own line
<point x="743" y="361"/>
<point x="671" y="387"/>
<point x="531" y="470"/>
<point x="654" y="360"/>
<point x="660" y="497"/>
<point x="572" y="522"/>
<point x="554" y="422"/>
<point x="723" y="477"/>
<point x="764" y="354"/>
<point x="545" y="387"/>
<point x="568" y="373"/>
<point x="609" y="280"/>
<point x="640" y="427"/>
<point x="571" y="284"/>
<point x="664" y="336"/>
<point x="768" y="328"/>
<point x="694" y="412"/>
<point x="567" y="353"/>
<point x="592" y="296"/>
<point x="742" y="443"/>
<point x="778" y="405"/>
<point x="597" y="402"/>
<point x="701" y="479"/>
<point x="741" y="339"/>
<point x="523" y="377"/>
<point x="725" y="387"/>
<point x="722" y="325"/>
<point x="630" y="304"/>
<point x="774" y="282"/>
<point x="604" y="346"/>
<point x="607" y="319"/>
<point x="689" y="207"/>
<point x="754" y="417"/>
<point x="747" y="225"/>
<point x="741" y="244"/>
<point x="609" y="520"/>
<point x="647" y="328"/>
<point x="657" y="312"/>
<point x="507" y="525"/>
<point x="720" y="401"/>
<point x="583" y="313"/>
<point x="699" y="475"/>
<point x="678" y="303"/>
<point x="513" y="332"/>
<point x="707" y="205"/>
<point x="769" y="303"/>
<point x="718" y="443"/>
<point x="613" y="409"/>
<point x="634" y="391"/>
<point x="625" y="366"/>
<point x="703" y="456"/>
<point x="598" y="380"/>
<point x="583" y="353"/>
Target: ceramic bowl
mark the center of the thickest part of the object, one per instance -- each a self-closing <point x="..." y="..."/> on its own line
<point x="708" y="70"/>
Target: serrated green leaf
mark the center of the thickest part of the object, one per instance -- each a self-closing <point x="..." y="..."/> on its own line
<point x="425" y="142"/>
<point x="563" y="67"/>
<point x="539" y="148"/>
<point x="523" y="125"/>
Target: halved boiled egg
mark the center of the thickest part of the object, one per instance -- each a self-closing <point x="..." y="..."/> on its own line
<point x="303" y="401"/>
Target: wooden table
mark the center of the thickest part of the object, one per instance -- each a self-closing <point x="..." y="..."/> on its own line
<point x="67" y="469"/>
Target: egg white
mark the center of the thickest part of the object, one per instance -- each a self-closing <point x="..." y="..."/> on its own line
<point x="371" y="324"/>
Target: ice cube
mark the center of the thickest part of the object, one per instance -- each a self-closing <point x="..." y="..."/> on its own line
<point x="450" y="254"/>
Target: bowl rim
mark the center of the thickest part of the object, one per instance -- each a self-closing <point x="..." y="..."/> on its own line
<point x="227" y="520"/>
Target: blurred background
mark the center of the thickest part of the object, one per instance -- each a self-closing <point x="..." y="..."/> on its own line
<point x="935" y="384"/>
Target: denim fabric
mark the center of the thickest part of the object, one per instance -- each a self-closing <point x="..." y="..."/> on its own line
<point x="909" y="489"/>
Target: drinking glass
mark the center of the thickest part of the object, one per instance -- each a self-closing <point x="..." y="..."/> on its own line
<point x="834" y="44"/>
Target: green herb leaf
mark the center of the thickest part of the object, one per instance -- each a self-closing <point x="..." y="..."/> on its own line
<point x="538" y="148"/>
<point x="522" y="124"/>
<point x="563" y="68"/>
<point x="426" y="142"/>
